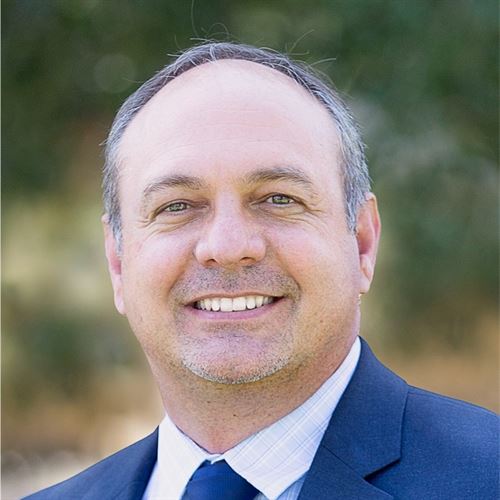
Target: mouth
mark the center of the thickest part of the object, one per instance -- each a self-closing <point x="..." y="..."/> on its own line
<point x="234" y="304"/>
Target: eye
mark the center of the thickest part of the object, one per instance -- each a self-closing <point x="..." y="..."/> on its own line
<point x="280" y="199"/>
<point x="177" y="206"/>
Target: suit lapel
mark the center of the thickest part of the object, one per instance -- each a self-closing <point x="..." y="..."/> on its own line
<point x="364" y="435"/>
<point x="128" y="473"/>
<point x="331" y="478"/>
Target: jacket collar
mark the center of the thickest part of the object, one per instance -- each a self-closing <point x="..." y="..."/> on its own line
<point x="128" y="472"/>
<point x="364" y="434"/>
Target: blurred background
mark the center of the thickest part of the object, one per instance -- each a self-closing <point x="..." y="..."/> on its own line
<point x="421" y="77"/>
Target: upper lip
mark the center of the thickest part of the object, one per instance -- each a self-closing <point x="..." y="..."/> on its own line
<point x="231" y="295"/>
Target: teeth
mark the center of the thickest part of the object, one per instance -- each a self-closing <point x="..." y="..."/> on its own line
<point x="237" y="304"/>
<point x="226" y="305"/>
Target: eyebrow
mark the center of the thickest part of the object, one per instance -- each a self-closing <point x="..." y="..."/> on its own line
<point x="281" y="173"/>
<point x="171" y="181"/>
<point x="260" y="176"/>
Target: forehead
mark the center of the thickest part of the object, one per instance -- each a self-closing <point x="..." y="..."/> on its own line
<point x="225" y="111"/>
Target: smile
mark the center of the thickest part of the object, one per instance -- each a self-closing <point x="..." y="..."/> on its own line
<point x="228" y="304"/>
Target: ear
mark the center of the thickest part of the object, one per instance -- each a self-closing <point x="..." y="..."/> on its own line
<point x="367" y="235"/>
<point x="114" y="264"/>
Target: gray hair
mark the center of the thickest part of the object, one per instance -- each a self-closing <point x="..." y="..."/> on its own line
<point x="354" y="170"/>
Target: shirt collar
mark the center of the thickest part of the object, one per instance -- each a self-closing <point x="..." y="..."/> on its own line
<point x="271" y="459"/>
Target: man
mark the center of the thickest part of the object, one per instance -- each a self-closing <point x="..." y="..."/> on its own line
<point x="240" y="234"/>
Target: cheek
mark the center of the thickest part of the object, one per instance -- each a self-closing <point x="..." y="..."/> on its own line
<point x="318" y="261"/>
<point x="151" y="267"/>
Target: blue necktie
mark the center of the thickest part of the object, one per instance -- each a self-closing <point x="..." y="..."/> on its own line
<point x="218" y="481"/>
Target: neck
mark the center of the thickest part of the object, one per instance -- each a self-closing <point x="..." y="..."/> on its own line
<point x="219" y="416"/>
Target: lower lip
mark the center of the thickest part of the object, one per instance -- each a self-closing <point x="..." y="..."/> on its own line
<point x="235" y="315"/>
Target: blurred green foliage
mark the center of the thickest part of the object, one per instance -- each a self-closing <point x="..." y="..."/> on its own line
<point x="421" y="76"/>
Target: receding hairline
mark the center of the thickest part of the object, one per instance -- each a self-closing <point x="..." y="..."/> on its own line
<point x="183" y="82"/>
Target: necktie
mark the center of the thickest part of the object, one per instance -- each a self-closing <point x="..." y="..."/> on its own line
<point x="218" y="481"/>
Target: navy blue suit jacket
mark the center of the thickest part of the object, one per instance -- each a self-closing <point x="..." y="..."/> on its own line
<point x="385" y="440"/>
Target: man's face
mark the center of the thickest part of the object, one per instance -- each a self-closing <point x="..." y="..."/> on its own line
<point x="236" y="260"/>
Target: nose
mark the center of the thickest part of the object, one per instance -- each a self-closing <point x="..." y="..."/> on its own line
<point x="230" y="239"/>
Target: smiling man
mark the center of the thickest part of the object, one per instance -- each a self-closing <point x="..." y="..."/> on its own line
<point x="240" y="234"/>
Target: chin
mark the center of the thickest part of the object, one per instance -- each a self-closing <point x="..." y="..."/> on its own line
<point x="235" y="371"/>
